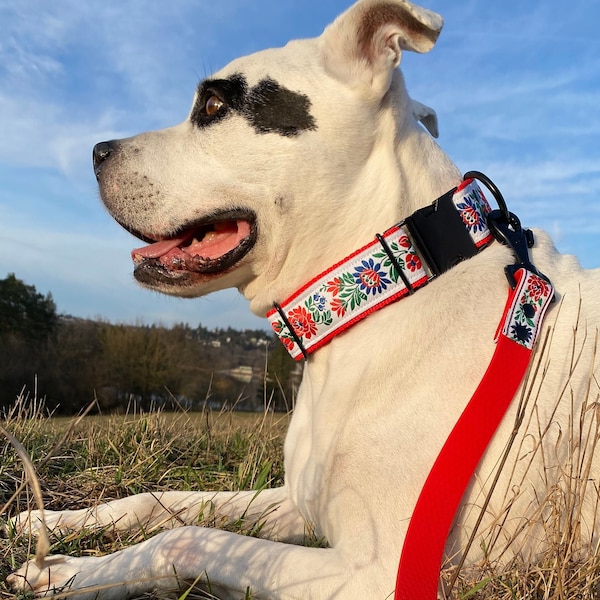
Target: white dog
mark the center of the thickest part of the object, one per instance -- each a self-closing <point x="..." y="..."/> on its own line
<point x="290" y="160"/>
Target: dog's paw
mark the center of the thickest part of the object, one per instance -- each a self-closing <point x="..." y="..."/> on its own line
<point x="28" y="522"/>
<point x="54" y="575"/>
<point x="23" y="523"/>
<point x="77" y="576"/>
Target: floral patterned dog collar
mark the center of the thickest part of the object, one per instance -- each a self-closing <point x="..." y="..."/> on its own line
<point x="395" y="264"/>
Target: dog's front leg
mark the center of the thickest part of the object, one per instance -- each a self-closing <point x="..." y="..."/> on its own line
<point x="227" y="563"/>
<point x="271" y="510"/>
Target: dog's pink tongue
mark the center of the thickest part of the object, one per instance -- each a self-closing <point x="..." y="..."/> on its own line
<point x="214" y="243"/>
<point x="160" y="248"/>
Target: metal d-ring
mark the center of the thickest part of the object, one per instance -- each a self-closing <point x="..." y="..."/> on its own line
<point x="509" y="218"/>
<point x="497" y="195"/>
<point x="506" y="228"/>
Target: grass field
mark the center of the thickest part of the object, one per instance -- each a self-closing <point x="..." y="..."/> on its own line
<point x="115" y="456"/>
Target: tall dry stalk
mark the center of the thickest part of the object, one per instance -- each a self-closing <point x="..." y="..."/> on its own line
<point x="540" y="541"/>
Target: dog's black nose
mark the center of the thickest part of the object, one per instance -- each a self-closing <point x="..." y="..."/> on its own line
<point x="101" y="152"/>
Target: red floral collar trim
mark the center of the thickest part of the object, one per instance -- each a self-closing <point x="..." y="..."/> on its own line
<point x="386" y="269"/>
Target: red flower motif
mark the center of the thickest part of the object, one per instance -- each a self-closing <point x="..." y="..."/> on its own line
<point x="338" y="307"/>
<point x="470" y="216"/>
<point x="413" y="262"/>
<point x="334" y="286"/>
<point x="302" y="322"/>
<point x="288" y="343"/>
<point x="537" y="288"/>
<point x="404" y="241"/>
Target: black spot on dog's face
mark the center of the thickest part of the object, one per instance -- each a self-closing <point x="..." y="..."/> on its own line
<point x="273" y="108"/>
<point x="268" y="106"/>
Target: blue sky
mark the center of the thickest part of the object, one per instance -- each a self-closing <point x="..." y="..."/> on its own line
<point x="516" y="86"/>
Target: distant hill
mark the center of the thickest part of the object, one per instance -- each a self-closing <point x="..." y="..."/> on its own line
<point x="69" y="361"/>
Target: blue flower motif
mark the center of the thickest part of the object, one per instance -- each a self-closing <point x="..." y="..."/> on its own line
<point x="471" y="213"/>
<point x="320" y="301"/>
<point x="370" y="277"/>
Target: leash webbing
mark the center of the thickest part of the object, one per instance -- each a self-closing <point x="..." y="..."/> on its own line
<point x="422" y="553"/>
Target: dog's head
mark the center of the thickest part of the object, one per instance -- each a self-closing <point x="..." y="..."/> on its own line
<point x="258" y="182"/>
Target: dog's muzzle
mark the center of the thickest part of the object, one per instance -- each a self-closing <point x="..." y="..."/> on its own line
<point x="196" y="251"/>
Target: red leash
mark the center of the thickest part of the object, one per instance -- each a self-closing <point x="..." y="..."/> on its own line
<point x="422" y="553"/>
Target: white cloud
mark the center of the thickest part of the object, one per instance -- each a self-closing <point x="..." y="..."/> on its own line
<point x="73" y="74"/>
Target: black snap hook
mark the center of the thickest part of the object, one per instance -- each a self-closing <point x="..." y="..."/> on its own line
<point x="506" y="228"/>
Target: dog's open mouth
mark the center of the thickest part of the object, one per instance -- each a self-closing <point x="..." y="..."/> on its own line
<point x="209" y="247"/>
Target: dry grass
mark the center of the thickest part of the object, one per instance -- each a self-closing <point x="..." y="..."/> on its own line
<point x="554" y="460"/>
<point x="111" y="457"/>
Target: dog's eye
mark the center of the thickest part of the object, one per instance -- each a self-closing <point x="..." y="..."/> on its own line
<point x="213" y="106"/>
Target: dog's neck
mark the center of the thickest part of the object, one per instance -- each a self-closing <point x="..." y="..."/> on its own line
<point x="404" y="171"/>
<point x="325" y="305"/>
<point x="425" y="171"/>
<point x="395" y="264"/>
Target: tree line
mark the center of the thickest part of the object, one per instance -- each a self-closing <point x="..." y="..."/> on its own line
<point x="69" y="361"/>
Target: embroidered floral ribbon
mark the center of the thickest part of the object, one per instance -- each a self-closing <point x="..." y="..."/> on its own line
<point x="526" y="307"/>
<point x="383" y="271"/>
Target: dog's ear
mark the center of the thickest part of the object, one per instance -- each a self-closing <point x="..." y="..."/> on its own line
<point x="427" y="116"/>
<point x="364" y="45"/>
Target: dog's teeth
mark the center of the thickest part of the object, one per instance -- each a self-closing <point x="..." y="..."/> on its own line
<point x="207" y="237"/>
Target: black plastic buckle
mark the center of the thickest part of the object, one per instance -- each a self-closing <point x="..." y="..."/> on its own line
<point x="439" y="235"/>
<point x="506" y="228"/>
